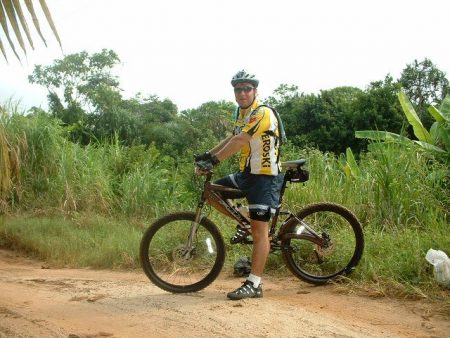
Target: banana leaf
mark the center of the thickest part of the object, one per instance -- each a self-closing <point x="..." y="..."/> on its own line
<point x="376" y="135"/>
<point x="445" y="107"/>
<point x="430" y="147"/>
<point x="419" y="130"/>
<point x="351" y="167"/>
<point x="440" y="132"/>
<point x="437" y="115"/>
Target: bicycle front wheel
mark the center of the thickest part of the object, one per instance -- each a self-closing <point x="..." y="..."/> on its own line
<point x="179" y="255"/>
<point x="323" y="242"/>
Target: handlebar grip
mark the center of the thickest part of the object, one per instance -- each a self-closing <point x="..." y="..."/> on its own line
<point x="204" y="165"/>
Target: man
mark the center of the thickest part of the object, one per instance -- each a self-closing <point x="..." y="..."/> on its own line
<point x="256" y="135"/>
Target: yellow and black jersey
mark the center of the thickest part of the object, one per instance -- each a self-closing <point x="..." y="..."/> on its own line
<point x="260" y="155"/>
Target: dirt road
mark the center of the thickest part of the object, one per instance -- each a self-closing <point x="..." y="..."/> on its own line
<point x="38" y="301"/>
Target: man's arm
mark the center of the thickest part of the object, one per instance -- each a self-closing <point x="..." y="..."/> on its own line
<point x="230" y="146"/>
<point x="222" y="144"/>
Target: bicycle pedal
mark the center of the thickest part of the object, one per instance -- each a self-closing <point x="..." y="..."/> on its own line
<point x="245" y="240"/>
<point x="240" y="236"/>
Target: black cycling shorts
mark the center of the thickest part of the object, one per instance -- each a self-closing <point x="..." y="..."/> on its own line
<point x="262" y="192"/>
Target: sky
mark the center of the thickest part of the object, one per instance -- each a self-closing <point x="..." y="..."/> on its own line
<point x="188" y="50"/>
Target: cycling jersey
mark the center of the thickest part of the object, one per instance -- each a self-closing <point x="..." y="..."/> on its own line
<point x="260" y="155"/>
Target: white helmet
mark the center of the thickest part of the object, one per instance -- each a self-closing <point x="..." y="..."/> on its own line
<point x="243" y="76"/>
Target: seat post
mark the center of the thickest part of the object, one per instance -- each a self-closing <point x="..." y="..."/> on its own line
<point x="280" y="201"/>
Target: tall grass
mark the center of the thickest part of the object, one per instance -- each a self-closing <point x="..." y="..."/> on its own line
<point x="397" y="187"/>
<point x="109" y="179"/>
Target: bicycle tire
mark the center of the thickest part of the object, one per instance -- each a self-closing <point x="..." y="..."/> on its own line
<point x="162" y="261"/>
<point x="317" y="264"/>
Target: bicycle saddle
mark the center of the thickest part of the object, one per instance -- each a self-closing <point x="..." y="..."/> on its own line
<point x="293" y="164"/>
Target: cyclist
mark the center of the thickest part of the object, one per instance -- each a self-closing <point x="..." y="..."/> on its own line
<point x="257" y="136"/>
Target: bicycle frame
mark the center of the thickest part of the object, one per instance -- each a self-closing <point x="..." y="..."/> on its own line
<point x="212" y="193"/>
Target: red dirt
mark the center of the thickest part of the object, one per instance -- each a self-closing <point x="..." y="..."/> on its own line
<point x="38" y="301"/>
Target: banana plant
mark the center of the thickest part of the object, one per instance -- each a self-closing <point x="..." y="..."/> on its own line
<point x="436" y="140"/>
<point x="350" y="167"/>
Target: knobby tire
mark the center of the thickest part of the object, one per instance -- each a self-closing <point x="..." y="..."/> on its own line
<point x="315" y="264"/>
<point x="173" y="272"/>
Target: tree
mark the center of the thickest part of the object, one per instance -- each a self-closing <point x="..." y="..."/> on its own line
<point x="155" y="119"/>
<point x="378" y="107"/>
<point x="80" y="84"/>
<point x="213" y="117"/>
<point x="282" y="95"/>
<point x="78" y="78"/>
<point x="425" y="85"/>
<point x="11" y="12"/>
<point x="323" y="121"/>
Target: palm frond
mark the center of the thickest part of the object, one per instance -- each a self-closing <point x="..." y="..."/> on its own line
<point x="12" y="16"/>
<point x="11" y="12"/>
<point x="30" y="8"/>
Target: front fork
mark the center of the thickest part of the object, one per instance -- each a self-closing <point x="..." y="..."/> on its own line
<point x="194" y="227"/>
<point x="195" y="224"/>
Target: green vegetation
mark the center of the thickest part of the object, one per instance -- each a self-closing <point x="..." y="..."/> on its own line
<point x="80" y="240"/>
<point x="79" y="186"/>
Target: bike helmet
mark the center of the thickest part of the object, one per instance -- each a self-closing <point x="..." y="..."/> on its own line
<point x="243" y="76"/>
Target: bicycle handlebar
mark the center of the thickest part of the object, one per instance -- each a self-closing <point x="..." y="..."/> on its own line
<point x="204" y="168"/>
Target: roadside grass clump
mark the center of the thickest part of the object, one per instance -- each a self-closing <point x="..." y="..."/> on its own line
<point x="34" y="142"/>
<point x="403" y="188"/>
<point x="397" y="257"/>
<point x="80" y="241"/>
<point x="151" y="189"/>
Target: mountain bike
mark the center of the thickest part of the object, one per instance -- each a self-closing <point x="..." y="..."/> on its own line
<point x="185" y="251"/>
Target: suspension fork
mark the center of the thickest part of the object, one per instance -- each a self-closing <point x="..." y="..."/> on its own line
<point x="198" y="213"/>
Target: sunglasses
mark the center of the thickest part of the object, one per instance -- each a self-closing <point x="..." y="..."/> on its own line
<point x="245" y="89"/>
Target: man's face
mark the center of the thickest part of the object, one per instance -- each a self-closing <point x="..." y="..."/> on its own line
<point x="245" y="94"/>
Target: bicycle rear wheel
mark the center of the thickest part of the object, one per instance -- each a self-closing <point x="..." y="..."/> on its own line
<point x="174" y="264"/>
<point x="334" y="252"/>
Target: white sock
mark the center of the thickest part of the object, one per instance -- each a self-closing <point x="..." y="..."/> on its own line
<point x="254" y="279"/>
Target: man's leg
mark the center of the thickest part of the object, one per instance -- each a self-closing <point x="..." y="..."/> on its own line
<point x="261" y="246"/>
<point x="251" y="288"/>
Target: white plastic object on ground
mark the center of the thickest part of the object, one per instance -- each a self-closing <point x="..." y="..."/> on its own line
<point x="441" y="264"/>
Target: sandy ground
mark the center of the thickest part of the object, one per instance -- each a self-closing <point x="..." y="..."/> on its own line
<point x="39" y="301"/>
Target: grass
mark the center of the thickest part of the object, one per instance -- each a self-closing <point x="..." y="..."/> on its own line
<point x="80" y="241"/>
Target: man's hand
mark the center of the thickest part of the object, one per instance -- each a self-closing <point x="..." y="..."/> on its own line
<point x="203" y="167"/>
<point x="203" y="157"/>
